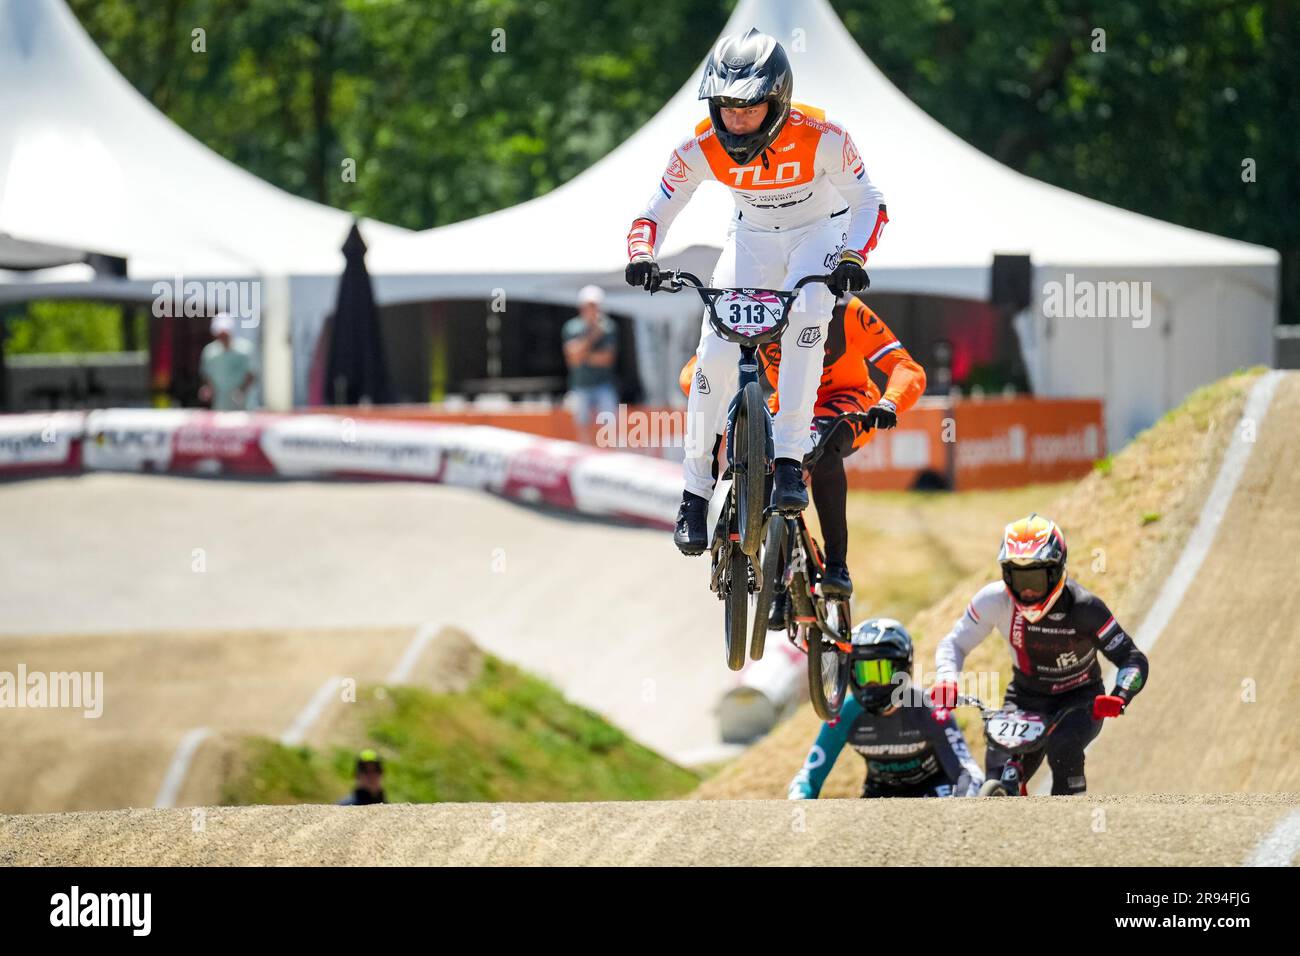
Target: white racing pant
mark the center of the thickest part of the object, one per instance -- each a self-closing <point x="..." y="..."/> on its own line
<point x="765" y="260"/>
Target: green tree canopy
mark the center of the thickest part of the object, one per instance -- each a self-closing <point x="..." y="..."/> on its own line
<point x="453" y="108"/>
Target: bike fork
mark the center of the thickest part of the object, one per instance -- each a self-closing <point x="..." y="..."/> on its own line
<point x="1012" y="779"/>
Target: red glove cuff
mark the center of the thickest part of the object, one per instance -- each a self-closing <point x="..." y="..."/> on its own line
<point x="641" y="239"/>
<point x="882" y="217"/>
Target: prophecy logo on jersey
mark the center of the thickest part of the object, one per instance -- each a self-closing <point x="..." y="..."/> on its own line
<point x="810" y="337"/>
<point x="701" y="383"/>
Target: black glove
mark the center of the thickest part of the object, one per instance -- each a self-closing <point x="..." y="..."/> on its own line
<point x="643" y="272"/>
<point x="848" y="276"/>
<point x="883" y="414"/>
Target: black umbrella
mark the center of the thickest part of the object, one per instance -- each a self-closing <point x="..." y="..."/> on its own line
<point x="356" y="369"/>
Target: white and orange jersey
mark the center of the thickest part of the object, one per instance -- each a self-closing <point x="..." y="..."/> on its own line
<point x="811" y="172"/>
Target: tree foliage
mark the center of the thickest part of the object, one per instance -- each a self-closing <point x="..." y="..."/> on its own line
<point x="452" y="108"/>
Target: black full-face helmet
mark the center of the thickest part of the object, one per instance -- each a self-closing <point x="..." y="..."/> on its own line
<point x="744" y="71"/>
<point x="880" y="659"/>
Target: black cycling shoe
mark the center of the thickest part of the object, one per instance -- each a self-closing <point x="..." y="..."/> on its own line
<point x="836" y="581"/>
<point x="789" y="493"/>
<point x="776" y="616"/>
<point x="689" y="535"/>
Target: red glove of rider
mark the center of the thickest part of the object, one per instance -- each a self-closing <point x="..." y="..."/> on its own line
<point x="944" y="694"/>
<point x="1107" y="705"/>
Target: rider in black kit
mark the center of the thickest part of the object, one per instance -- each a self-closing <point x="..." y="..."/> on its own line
<point x="911" y="749"/>
<point x="1055" y="627"/>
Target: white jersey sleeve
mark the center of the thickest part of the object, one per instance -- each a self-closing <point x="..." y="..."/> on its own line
<point x="990" y="604"/>
<point x="839" y="161"/>
<point x="686" y="169"/>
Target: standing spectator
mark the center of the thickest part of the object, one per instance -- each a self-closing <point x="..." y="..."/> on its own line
<point x="590" y="351"/>
<point x="226" y="367"/>
<point x="370" y="781"/>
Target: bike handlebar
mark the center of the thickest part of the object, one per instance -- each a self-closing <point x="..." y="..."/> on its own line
<point x="988" y="712"/>
<point x="849" y="417"/>
<point x="674" y="279"/>
<point x="743" y="331"/>
<point x="813" y="457"/>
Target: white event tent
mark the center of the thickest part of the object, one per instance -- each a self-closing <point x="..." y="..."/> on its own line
<point x="90" y="165"/>
<point x="952" y="208"/>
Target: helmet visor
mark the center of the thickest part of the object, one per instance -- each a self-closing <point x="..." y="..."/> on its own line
<point x="1029" y="585"/>
<point x="734" y="103"/>
<point x="868" y="673"/>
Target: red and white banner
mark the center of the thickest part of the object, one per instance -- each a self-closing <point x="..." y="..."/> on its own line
<point x="519" y="465"/>
<point x="221" y="443"/>
<point x="41" y="443"/>
<point x="972" y="444"/>
<point x="132" y="439"/>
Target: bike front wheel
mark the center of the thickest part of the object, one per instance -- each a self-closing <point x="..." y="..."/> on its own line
<point x="737" y="605"/>
<point x="828" y="665"/>
<point x="773" y="566"/>
<point x="993" y="788"/>
<point x="749" y="466"/>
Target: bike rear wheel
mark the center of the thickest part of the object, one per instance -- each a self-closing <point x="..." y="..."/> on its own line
<point x="993" y="788"/>
<point x="773" y="565"/>
<point x="749" y="466"/>
<point x="828" y="666"/>
<point x="737" y="605"/>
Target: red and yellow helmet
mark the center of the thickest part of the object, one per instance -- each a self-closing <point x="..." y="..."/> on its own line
<point x="1033" y="564"/>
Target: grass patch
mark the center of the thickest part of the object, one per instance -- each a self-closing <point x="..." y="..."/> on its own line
<point x="269" y="772"/>
<point x="508" y="737"/>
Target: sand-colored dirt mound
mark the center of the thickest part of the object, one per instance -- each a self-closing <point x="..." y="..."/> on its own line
<point x="1126" y="524"/>
<point x="158" y="687"/>
<point x="1124" y="831"/>
<point x="1220" y="711"/>
<point x="611" y="615"/>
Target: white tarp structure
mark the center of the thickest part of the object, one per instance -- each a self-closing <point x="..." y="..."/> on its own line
<point x="1213" y="300"/>
<point x="89" y="164"/>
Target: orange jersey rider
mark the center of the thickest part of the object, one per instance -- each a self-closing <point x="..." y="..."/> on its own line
<point x="854" y="341"/>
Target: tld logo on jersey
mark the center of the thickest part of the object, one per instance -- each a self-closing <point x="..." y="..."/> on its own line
<point x="785" y="173"/>
<point x="701" y="383"/>
<point x="810" y="337"/>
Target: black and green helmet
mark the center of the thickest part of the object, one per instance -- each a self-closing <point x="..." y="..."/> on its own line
<point x="882" y="653"/>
